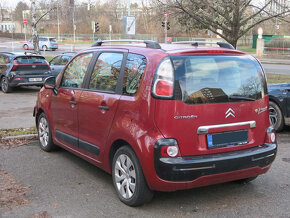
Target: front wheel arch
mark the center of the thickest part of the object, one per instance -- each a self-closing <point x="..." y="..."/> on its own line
<point x="279" y="124"/>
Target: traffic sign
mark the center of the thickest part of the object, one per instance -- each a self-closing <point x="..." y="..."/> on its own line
<point x="24" y="21"/>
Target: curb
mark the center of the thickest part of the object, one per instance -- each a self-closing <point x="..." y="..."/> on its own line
<point x="274" y="62"/>
<point x="29" y="136"/>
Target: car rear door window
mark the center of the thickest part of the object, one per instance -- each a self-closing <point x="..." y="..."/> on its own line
<point x="75" y="72"/>
<point x="55" y="61"/>
<point x="2" y="59"/>
<point x="134" y="70"/>
<point x="106" y="72"/>
<point x="64" y="59"/>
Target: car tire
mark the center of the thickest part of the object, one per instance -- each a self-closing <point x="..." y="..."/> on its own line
<point x="25" y="47"/>
<point x="276" y="116"/>
<point x="5" y="87"/>
<point x="44" y="48"/>
<point x="128" y="178"/>
<point x="246" y="180"/>
<point x="44" y="134"/>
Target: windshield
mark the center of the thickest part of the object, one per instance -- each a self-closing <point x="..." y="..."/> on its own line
<point x="218" y="79"/>
<point x="30" y="60"/>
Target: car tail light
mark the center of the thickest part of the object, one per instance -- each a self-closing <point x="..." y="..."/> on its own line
<point x="15" y="65"/>
<point x="168" y="148"/>
<point x="17" y="79"/>
<point x="271" y="135"/>
<point x="164" y="79"/>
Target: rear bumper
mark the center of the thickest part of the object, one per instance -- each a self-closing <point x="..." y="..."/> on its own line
<point x="25" y="81"/>
<point x="253" y="161"/>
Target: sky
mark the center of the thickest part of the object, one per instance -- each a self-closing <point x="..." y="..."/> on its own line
<point x="12" y="3"/>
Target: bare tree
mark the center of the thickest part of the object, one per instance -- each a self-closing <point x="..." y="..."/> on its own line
<point x="234" y="17"/>
<point x="34" y="25"/>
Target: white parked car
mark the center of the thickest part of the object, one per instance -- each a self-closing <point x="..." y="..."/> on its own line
<point x="45" y="43"/>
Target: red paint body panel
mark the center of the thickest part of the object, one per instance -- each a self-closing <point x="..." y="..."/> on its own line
<point x="95" y="123"/>
<point x="185" y="130"/>
<point x="64" y="113"/>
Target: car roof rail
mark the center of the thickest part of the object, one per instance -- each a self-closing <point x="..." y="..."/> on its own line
<point x="149" y="43"/>
<point x="196" y="43"/>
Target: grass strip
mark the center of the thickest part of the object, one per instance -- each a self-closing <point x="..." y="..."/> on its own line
<point x="277" y="78"/>
<point x="17" y="131"/>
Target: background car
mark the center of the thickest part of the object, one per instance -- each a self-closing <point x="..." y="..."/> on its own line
<point x="45" y="43"/>
<point x="22" y="69"/>
<point x="59" y="61"/>
<point x="279" y="105"/>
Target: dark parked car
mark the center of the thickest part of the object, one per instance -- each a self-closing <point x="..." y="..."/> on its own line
<point x="59" y="61"/>
<point x="22" y="69"/>
<point x="160" y="118"/>
<point x="279" y="105"/>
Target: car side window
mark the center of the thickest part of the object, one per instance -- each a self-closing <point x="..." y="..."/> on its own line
<point x="2" y="59"/>
<point x="75" y="72"/>
<point x="55" y="61"/>
<point x="134" y="70"/>
<point x="64" y="59"/>
<point x="106" y="72"/>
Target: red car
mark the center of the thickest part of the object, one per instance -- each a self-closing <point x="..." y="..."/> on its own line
<point x="160" y="118"/>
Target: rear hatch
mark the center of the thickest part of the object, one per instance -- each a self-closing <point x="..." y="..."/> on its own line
<point x="31" y="65"/>
<point x="219" y="104"/>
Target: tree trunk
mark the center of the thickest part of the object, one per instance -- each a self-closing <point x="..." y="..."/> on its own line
<point x="34" y="29"/>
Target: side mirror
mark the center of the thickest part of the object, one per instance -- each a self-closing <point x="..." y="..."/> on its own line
<point x="49" y="83"/>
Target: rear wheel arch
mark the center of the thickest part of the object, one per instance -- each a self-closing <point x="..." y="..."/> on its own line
<point x="114" y="148"/>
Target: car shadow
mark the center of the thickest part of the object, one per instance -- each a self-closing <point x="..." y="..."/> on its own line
<point x="26" y="89"/>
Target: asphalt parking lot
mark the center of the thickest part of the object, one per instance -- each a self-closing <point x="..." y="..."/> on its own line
<point x="16" y="108"/>
<point x="59" y="184"/>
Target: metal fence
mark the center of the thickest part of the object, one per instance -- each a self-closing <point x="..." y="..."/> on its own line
<point x="277" y="47"/>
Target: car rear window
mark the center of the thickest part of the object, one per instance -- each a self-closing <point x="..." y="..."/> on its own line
<point x="30" y="60"/>
<point x="218" y="79"/>
<point x="52" y="40"/>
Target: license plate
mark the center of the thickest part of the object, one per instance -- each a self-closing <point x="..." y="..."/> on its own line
<point x="225" y="139"/>
<point x="35" y="79"/>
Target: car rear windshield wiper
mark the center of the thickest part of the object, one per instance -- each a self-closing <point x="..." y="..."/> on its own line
<point x="238" y="97"/>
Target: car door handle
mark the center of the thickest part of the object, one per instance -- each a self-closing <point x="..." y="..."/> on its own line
<point x="106" y="108"/>
<point x="73" y="102"/>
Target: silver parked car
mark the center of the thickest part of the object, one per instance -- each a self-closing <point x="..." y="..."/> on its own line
<point x="45" y="43"/>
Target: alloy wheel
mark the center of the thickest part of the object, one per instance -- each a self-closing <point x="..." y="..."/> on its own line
<point x="43" y="131"/>
<point x="125" y="176"/>
<point x="273" y="116"/>
<point x="4" y="84"/>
